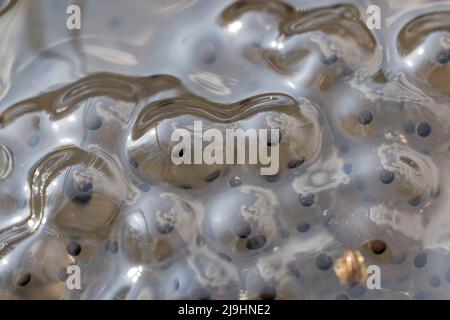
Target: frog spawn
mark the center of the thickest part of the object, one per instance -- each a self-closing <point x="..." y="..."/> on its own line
<point x="328" y="198"/>
<point x="151" y="149"/>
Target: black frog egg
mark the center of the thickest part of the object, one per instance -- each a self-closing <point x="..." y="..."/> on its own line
<point x="241" y="222"/>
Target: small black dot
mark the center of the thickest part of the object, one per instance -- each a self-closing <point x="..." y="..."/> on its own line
<point x="186" y="186"/>
<point x="414" y="201"/>
<point x="24" y="279"/>
<point x="235" y="182"/>
<point x="133" y="162"/>
<point x="272" y="178"/>
<point x="420" y="260"/>
<point x="294" y="163"/>
<point x="423" y="129"/>
<point x="293" y="269"/>
<point x="73" y="248"/>
<point x="212" y="176"/>
<point x="224" y="257"/>
<point x="435" y="282"/>
<point x="256" y="242"/>
<point x="323" y="262"/>
<point x="165" y="228"/>
<point x="114" y="247"/>
<point x="187" y="207"/>
<point x="435" y="193"/>
<point x="242" y="229"/>
<point x="144" y="187"/>
<point x="386" y="176"/>
<point x="344" y="149"/>
<point x="268" y="293"/>
<point x="181" y="153"/>
<point x="307" y="200"/>
<point x="443" y="56"/>
<point x="61" y="274"/>
<point x="303" y="227"/>
<point x="378" y="246"/>
<point x="208" y="53"/>
<point x="347" y="168"/>
<point x="398" y="259"/>
<point x="284" y="233"/>
<point x="365" y="117"/>
<point x="200" y="294"/>
<point x="200" y="241"/>
<point x="329" y="60"/>
<point x="93" y="123"/>
<point x="409" y="127"/>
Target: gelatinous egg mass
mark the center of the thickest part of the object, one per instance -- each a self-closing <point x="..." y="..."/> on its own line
<point x="98" y="202"/>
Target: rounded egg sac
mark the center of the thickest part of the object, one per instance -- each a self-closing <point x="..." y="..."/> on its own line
<point x="242" y="223"/>
<point x="159" y="231"/>
<point x="192" y="149"/>
<point x="424" y="46"/>
<point x="244" y="149"/>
